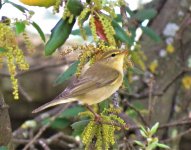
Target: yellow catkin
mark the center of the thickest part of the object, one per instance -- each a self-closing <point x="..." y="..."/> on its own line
<point x="93" y="28"/>
<point x="97" y="4"/>
<point x="108" y="29"/>
<point x="108" y="133"/>
<point x="110" y="10"/>
<point x="66" y="13"/>
<point x="99" y="141"/>
<point x="13" y="54"/>
<point x="88" y="134"/>
<point x="81" y="18"/>
<point x="57" y="6"/>
<point x="29" y="46"/>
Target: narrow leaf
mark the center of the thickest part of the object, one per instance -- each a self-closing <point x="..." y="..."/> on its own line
<point x="3" y="148"/>
<point x="39" y="30"/>
<point x="118" y="18"/>
<point x="120" y="34"/>
<point x="151" y="33"/>
<point x="163" y="146"/>
<point x="59" y="123"/>
<point x="139" y="143"/>
<point x="19" y="7"/>
<point x="136" y="70"/>
<point x="129" y="11"/>
<point x="2" y="50"/>
<point x="79" y="126"/>
<point x="67" y="74"/>
<point x="145" y="14"/>
<point x="72" y="112"/>
<point x="154" y="128"/>
<point x="59" y="35"/>
<point x="77" y="31"/>
<point x="143" y="134"/>
<point x="127" y="85"/>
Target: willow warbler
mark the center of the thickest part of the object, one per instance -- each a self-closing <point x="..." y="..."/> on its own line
<point x="95" y="84"/>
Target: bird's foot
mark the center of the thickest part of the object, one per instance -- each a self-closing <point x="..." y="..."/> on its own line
<point x="97" y="116"/>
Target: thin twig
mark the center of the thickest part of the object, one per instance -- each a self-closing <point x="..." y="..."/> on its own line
<point x="34" y="69"/>
<point x="178" y="136"/>
<point x="43" y="143"/>
<point x="43" y="128"/>
<point x="138" y="112"/>
<point x="150" y="106"/>
<point x="24" y="93"/>
<point x="160" y="93"/>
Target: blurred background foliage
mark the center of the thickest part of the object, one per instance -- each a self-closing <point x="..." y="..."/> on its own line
<point x="157" y="81"/>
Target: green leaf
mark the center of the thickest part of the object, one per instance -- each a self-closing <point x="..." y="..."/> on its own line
<point x="39" y="30"/>
<point x="162" y="146"/>
<point x="72" y="112"/>
<point x="3" y="148"/>
<point x="2" y="50"/>
<point x="59" y="35"/>
<point x="154" y="128"/>
<point x="77" y="31"/>
<point x="0" y="4"/>
<point x="127" y="85"/>
<point x="139" y="143"/>
<point x="118" y="18"/>
<point x="143" y="129"/>
<point x="19" y="7"/>
<point x="104" y="104"/>
<point x="67" y="74"/>
<point x="20" y="27"/>
<point x="143" y="134"/>
<point x="136" y="70"/>
<point x="139" y="105"/>
<point x="75" y="7"/>
<point x="120" y="34"/>
<point x="151" y="33"/>
<point x="79" y="126"/>
<point x="152" y="145"/>
<point x="129" y="11"/>
<point x="58" y="123"/>
<point x="145" y="14"/>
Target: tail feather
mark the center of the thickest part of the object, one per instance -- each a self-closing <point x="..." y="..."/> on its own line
<point x="53" y="103"/>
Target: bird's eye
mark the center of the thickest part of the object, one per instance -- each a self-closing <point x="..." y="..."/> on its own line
<point x="113" y="55"/>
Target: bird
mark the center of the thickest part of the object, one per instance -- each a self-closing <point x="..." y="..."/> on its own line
<point x="96" y="82"/>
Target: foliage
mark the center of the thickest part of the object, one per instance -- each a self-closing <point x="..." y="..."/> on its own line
<point x="96" y="19"/>
<point x="101" y="129"/>
<point x="151" y="142"/>
<point x="10" y="50"/>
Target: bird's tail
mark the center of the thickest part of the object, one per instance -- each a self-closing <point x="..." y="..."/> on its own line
<point x="53" y="103"/>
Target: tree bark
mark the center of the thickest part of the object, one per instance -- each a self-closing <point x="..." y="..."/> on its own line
<point x="5" y="124"/>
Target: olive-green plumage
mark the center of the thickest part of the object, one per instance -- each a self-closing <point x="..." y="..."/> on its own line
<point x="95" y="84"/>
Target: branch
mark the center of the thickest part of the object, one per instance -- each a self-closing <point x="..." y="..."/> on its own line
<point x="35" y="69"/>
<point x="5" y="124"/>
<point x="138" y="113"/>
<point x="43" y="128"/>
<point x="160" y="93"/>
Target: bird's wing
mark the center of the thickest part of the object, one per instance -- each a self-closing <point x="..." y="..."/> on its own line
<point x="92" y="79"/>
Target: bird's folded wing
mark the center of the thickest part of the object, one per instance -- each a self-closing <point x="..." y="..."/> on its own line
<point x="92" y="79"/>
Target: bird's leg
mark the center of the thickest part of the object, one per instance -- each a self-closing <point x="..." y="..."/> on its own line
<point x="97" y="116"/>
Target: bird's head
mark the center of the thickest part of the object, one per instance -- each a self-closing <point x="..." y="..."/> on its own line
<point x="114" y="58"/>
